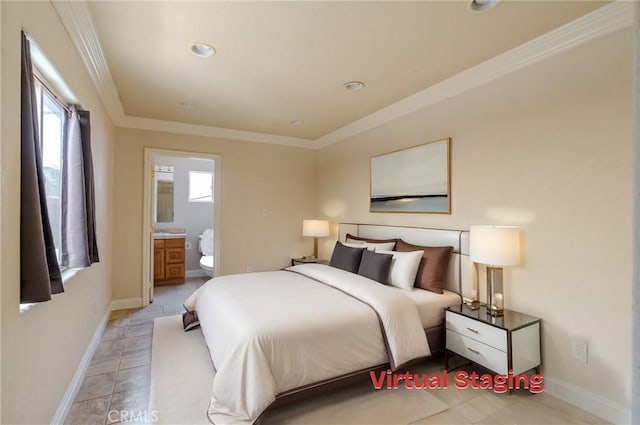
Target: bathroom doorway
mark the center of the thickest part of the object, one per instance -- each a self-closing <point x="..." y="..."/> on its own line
<point x="181" y="216"/>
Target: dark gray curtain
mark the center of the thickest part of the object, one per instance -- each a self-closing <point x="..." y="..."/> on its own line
<point x="79" y="246"/>
<point x="39" y="271"/>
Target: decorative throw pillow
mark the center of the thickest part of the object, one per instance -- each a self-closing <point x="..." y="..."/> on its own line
<point x="404" y="267"/>
<point x="190" y="320"/>
<point x="346" y="258"/>
<point x="432" y="271"/>
<point x="375" y="266"/>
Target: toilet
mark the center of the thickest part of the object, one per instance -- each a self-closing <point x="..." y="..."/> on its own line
<point x="206" y="249"/>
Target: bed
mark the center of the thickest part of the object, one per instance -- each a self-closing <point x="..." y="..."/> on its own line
<point x="278" y="336"/>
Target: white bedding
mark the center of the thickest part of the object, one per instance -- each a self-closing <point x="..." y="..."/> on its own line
<point x="431" y="306"/>
<point x="271" y="332"/>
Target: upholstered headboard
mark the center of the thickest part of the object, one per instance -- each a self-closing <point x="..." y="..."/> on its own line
<point x="461" y="275"/>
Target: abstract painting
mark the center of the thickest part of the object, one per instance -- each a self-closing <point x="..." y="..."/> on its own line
<point x="416" y="179"/>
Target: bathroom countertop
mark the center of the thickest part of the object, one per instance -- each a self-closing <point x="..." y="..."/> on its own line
<point x="166" y="235"/>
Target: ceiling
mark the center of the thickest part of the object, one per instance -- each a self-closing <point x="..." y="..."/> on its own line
<point x="277" y="62"/>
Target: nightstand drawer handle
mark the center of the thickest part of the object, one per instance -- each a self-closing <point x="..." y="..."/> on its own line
<point x="473" y="351"/>
<point x="472" y="330"/>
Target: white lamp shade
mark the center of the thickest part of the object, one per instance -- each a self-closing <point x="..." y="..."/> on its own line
<point x="495" y="245"/>
<point x="315" y="228"/>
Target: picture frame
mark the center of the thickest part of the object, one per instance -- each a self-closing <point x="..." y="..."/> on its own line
<point x="412" y="180"/>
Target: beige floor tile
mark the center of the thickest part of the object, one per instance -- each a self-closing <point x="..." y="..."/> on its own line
<point x="118" y="322"/>
<point x="96" y="386"/>
<point x="133" y="378"/>
<point x="164" y="290"/>
<point x="97" y="367"/>
<point x="454" y="397"/>
<point x="139" y="330"/>
<point x="478" y="408"/>
<point x="135" y="358"/>
<point x="448" y="417"/>
<point x="89" y="412"/>
<point x="429" y="367"/>
<point x="523" y="413"/>
<point x="114" y="332"/>
<point x="128" y="405"/>
<point x="109" y="349"/>
<point x="137" y="343"/>
<point x="120" y="314"/>
<point x="566" y="408"/>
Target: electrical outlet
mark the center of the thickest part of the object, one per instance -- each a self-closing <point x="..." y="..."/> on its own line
<point x="249" y="269"/>
<point x="265" y="212"/>
<point x="580" y="350"/>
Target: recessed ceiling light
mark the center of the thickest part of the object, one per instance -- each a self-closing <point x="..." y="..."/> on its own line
<point x="480" y="5"/>
<point x="203" y="50"/>
<point x="296" y="122"/>
<point x="353" y="85"/>
<point x="186" y="105"/>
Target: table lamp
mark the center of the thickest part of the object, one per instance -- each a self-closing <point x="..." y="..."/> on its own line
<point x="495" y="246"/>
<point x="315" y="229"/>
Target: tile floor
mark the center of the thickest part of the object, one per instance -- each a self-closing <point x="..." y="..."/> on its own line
<point x="118" y="379"/>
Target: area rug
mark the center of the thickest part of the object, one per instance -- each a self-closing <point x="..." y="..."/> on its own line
<point x="182" y="377"/>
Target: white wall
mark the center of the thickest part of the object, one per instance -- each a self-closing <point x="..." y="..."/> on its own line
<point x="42" y="348"/>
<point x="194" y="217"/>
<point x="547" y="148"/>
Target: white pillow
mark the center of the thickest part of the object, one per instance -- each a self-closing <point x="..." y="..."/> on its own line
<point x="404" y="267"/>
<point x="385" y="246"/>
<point x="380" y="246"/>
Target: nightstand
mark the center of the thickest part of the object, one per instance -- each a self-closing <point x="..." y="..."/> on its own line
<point x="500" y="344"/>
<point x="303" y="260"/>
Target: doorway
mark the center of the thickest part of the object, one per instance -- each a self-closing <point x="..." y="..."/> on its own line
<point x="181" y="204"/>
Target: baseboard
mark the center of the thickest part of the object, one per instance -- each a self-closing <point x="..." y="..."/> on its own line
<point x="195" y="273"/>
<point x="126" y="303"/>
<point x="76" y="381"/>
<point x="586" y="400"/>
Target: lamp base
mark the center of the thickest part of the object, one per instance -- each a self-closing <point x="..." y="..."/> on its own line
<point x="495" y="294"/>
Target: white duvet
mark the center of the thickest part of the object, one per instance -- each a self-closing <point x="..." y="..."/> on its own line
<point x="272" y="332"/>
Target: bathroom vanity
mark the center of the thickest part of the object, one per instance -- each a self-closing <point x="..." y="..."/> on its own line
<point x="168" y="259"/>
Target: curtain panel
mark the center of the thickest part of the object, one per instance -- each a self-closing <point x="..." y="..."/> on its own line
<point x="39" y="271"/>
<point x="79" y="245"/>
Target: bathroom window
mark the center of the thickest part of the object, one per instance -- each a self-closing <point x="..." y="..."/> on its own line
<point x="200" y="186"/>
<point x="51" y="122"/>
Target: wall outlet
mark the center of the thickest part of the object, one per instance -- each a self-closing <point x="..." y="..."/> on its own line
<point x="249" y="269"/>
<point x="579" y="349"/>
<point x="265" y="212"/>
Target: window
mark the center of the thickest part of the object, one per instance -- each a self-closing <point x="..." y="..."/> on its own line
<point x="200" y="186"/>
<point x="51" y="123"/>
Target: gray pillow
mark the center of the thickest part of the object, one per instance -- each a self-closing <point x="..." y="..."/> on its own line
<point x="375" y="266"/>
<point x="346" y="258"/>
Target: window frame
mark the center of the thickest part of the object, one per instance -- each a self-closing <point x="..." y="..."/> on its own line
<point x="44" y="92"/>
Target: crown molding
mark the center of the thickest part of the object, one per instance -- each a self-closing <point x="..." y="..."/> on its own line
<point x="76" y="18"/>
<point x="600" y="22"/>
<point x="150" y="124"/>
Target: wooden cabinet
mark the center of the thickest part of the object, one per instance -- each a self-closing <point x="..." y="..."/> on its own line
<point x="168" y="261"/>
